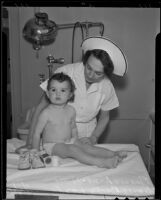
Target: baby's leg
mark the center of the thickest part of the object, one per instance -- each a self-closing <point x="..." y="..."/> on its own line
<point x="97" y="151"/>
<point x="101" y="152"/>
<point x="74" y="151"/>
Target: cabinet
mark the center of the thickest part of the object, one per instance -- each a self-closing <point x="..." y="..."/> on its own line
<point x="151" y="147"/>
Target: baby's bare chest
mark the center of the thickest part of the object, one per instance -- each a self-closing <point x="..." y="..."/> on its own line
<point x="60" y="118"/>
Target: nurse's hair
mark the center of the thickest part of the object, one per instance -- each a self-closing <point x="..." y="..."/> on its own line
<point x="103" y="56"/>
<point x="61" y="77"/>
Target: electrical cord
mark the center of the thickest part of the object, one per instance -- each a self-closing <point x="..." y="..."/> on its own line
<point x="102" y="31"/>
<point x="75" y="26"/>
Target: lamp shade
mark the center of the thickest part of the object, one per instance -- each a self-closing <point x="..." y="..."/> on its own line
<point x="40" y="30"/>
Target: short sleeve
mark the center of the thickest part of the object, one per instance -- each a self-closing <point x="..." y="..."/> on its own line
<point x="110" y="100"/>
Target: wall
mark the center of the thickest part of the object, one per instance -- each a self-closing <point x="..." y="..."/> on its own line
<point x="134" y="30"/>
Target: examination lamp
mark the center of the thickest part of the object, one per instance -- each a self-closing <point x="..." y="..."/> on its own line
<point x="40" y="30"/>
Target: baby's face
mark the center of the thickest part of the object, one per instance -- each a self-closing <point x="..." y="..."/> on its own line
<point x="59" y="92"/>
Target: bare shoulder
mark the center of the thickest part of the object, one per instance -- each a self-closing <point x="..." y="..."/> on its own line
<point x="71" y="109"/>
<point x="44" y="113"/>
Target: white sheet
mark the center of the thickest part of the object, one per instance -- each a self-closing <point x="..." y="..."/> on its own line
<point x="130" y="178"/>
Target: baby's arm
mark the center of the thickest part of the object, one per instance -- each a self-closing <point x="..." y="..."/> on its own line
<point x="74" y="126"/>
<point x="42" y="120"/>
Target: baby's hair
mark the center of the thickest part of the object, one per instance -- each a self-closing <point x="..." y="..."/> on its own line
<point x="61" y="77"/>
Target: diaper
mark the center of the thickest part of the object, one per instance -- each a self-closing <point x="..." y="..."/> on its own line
<point x="48" y="147"/>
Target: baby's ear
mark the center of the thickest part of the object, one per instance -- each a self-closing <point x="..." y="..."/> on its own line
<point x="71" y="98"/>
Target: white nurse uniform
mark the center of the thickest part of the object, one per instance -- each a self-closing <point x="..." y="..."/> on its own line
<point x="87" y="103"/>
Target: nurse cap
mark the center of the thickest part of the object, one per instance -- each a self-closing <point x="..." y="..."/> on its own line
<point x="116" y="54"/>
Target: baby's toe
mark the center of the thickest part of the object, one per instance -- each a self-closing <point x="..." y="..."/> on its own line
<point x="120" y="159"/>
<point x="123" y="154"/>
<point x="116" y="161"/>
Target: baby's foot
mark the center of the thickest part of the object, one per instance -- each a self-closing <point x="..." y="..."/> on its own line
<point x="121" y="154"/>
<point x="109" y="162"/>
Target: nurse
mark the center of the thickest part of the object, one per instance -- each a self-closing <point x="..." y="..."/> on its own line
<point x="94" y="92"/>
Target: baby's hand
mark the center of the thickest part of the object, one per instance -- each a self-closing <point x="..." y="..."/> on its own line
<point x="18" y="150"/>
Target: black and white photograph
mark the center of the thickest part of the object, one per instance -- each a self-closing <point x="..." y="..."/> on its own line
<point x="80" y="101"/>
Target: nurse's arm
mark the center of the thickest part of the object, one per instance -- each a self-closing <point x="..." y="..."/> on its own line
<point x="101" y="126"/>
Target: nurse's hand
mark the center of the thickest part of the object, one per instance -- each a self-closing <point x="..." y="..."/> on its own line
<point x="85" y="140"/>
<point x="89" y="140"/>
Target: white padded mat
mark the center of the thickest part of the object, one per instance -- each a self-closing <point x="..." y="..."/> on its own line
<point x="130" y="178"/>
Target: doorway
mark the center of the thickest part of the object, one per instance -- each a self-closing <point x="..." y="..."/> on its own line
<point x="6" y="65"/>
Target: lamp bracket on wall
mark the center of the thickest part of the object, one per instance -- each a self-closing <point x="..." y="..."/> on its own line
<point x="40" y="31"/>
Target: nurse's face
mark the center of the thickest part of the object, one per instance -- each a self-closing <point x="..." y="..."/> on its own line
<point x="94" y="70"/>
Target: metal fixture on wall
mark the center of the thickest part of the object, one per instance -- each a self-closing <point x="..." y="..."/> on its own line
<point x="41" y="31"/>
<point x="51" y="61"/>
